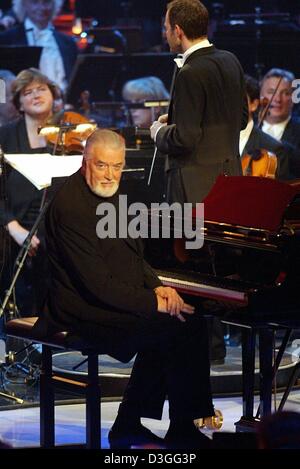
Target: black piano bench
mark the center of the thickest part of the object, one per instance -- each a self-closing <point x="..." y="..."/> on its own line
<point x="89" y="387"/>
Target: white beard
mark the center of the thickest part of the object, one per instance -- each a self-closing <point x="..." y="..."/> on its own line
<point x="105" y="192"/>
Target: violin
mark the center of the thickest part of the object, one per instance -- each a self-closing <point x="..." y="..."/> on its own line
<point x="261" y="163"/>
<point x="67" y="132"/>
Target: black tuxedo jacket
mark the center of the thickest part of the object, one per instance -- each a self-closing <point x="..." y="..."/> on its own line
<point x="259" y="140"/>
<point x="291" y="139"/>
<point x="207" y="111"/>
<point x="67" y="47"/>
<point x="98" y="286"/>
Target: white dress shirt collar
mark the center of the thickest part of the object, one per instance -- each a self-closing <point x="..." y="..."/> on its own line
<point x="181" y="58"/>
<point x="275" y="130"/>
<point x="51" y="60"/>
<point x="30" y="26"/>
<point x="245" y="135"/>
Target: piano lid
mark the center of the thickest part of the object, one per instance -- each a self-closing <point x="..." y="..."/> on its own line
<point x="249" y="201"/>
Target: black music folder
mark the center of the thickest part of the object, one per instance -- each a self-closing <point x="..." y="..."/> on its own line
<point x="17" y="58"/>
<point x="104" y="75"/>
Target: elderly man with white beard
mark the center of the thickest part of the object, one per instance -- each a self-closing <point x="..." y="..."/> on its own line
<point x="104" y="291"/>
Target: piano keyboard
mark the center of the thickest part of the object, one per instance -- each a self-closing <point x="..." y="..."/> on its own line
<point x="207" y="288"/>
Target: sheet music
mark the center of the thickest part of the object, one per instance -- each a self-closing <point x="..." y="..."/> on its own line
<point x="40" y="168"/>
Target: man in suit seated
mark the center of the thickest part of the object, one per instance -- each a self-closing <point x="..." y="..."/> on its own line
<point x="279" y="121"/>
<point x="253" y="139"/>
<point x="103" y="290"/>
<point x="35" y="29"/>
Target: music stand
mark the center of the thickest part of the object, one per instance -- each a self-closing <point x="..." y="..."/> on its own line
<point x="160" y="64"/>
<point x="105" y="74"/>
<point x="93" y="72"/>
<point x="124" y="39"/>
<point x="249" y="201"/>
<point x="17" y="58"/>
<point x="261" y="34"/>
<point x="116" y="114"/>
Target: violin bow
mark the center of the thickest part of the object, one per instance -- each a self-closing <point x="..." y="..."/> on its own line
<point x="265" y="110"/>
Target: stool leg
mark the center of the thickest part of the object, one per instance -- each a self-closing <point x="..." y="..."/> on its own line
<point x="47" y="430"/>
<point x="93" y="405"/>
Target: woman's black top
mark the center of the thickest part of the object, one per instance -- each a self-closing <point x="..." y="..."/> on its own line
<point x="23" y="200"/>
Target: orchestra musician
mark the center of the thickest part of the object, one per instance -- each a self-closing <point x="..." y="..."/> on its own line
<point x="103" y="290"/>
<point x="139" y="90"/>
<point x="200" y="134"/>
<point x="33" y="95"/>
<point x="279" y="121"/>
<point x="35" y="29"/>
<point x="253" y="139"/>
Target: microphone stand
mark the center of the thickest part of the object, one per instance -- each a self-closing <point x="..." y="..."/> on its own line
<point x="19" y="263"/>
<point x="3" y="198"/>
<point x="23" y="254"/>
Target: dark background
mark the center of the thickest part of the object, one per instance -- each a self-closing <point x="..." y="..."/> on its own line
<point x="156" y="8"/>
<point x="273" y="41"/>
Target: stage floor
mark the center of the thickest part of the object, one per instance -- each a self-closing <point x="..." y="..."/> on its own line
<point x="20" y="426"/>
<point x="19" y="423"/>
<point x="226" y="378"/>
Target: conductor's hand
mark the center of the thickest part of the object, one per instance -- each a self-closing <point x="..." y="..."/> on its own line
<point x="19" y="234"/>
<point x="155" y="127"/>
<point x="168" y="301"/>
<point x="163" y="119"/>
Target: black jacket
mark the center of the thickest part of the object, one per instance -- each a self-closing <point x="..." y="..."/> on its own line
<point x="291" y="139"/>
<point x="67" y="47"/>
<point x="207" y="111"/>
<point x="22" y="197"/>
<point x="103" y="281"/>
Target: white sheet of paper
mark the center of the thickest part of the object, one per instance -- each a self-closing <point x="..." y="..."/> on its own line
<point x="40" y="168"/>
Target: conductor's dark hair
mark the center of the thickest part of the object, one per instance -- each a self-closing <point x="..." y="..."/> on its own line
<point x="191" y="15"/>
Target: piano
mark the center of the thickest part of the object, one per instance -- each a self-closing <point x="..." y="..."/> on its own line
<point x="247" y="272"/>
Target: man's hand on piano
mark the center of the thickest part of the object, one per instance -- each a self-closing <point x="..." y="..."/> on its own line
<point x="170" y="302"/>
